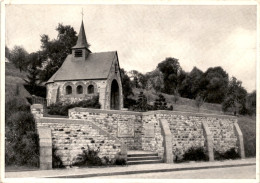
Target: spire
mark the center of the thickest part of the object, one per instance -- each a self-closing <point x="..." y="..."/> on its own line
<point x="82" y="40"/>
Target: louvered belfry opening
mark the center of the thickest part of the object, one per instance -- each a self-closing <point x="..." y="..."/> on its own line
<point x="78" y="53"/>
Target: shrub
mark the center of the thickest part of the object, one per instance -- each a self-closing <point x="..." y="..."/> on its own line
<point x="62" y="108"/>
<point x="56" y="161"/>
<point x="229" y="154"/>
<point x="195" y="154"/>
<point x="88" y="157"/>
<point x="16" y="104"/>
<point x="21" y="139"/>
<point x="120" y="161"/>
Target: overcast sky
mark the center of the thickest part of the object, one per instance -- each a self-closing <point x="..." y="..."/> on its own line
<point x="144" y="35"/>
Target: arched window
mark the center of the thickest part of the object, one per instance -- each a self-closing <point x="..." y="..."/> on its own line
<point x="79" y="89"/>
<point x="90" y="89"/>
<point x="68" y="90"/>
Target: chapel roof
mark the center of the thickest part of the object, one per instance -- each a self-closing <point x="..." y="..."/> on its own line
<point x="95" y="66"/>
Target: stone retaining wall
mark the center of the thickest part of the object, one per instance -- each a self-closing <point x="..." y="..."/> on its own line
<point x="114" y="132"/>
<point x="186" y="129"/>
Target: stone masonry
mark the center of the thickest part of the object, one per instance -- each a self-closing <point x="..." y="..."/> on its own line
<point x="169" y="133"/>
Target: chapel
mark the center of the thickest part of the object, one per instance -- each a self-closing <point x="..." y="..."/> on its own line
<point x="84" y="74"/>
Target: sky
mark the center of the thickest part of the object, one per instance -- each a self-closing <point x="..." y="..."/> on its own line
<point x="144" y="35"/>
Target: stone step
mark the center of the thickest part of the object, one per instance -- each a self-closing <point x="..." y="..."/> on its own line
<point x="144" y="162"/>
<point x="143" y="158"/>
<point x="142" y="154"/>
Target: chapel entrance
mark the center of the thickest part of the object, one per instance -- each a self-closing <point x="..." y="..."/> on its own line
<point x="114" y="96"/>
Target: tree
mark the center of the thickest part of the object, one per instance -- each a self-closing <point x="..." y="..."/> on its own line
<point x="155" y="80"/>
<point x="213" y="85"/>
<point x="33" y="72"/>
<point x="236" y="96"/>
<point x="126" y="84"/>
<point x="251" y="103"/>
<point x="18" y="56"/>
<point x="55" y="51"/>
<point x="170" y="68"/>
<point x="190" y="86"/>
<point x="199" y="101"/>
<point x="7" y="53"/>
<point x="160" y="103"/>
<point x="141" y="104"/>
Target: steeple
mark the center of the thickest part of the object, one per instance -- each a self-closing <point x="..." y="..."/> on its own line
<point x="82" y="40"/>
<point x="80" y="51"/>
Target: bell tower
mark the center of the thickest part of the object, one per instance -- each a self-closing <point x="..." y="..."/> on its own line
<point x="80" y="51"/>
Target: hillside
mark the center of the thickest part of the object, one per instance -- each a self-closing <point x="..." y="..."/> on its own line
<point x="183" y="104"/>
<point x="14" y="82"/>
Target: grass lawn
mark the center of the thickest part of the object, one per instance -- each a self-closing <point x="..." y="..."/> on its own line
<point x="247" y="125"/>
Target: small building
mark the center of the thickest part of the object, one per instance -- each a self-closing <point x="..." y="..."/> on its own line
<point x="84" y="74"/>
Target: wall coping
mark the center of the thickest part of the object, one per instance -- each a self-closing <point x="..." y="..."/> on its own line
<point x="78" y="109"/>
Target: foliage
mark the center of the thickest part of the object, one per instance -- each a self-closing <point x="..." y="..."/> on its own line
<point x="199" y="101"/>
<point x="120" y="161"/>
<point x="160" y="103"/>
<point x="55" y="51"/>
<point x="33" y="73"/>
<point x="36" y="90"/>
<point x="229" y="154"/>
<point x="251" y="103"/>
<point x="7" y="53"/>
<point x="88" y="158"/>
<point x="155" y="80"/>
<point x="21" y="139"/>
<point x="61" y="108"/>
<point x="236" y="96"/>
<point x="189" y="84"/>
<point x="176" y="96"/>
<point x="18" y="56"/>
<point x="141" y="104"/>
<point x="126" y="84"/>
<point x="139" y="80"/>
<point x="129" y="103"/>
<point x="170" y="68"/>
<point x="195" y="154"/>
<point x="214" y="84"/>
<point x="56" y="161"/>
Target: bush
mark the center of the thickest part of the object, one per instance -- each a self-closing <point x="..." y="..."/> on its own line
<point x="229" y="154"/>
<point x="88" y="157"/>
<point x="63" y="109"/>
<point x="195" y="154"/>
<point x="37" y="90"/>
<point x="56" y="161"/>
<point x="16" y="104"/>
<point x="120" y="161"/>
<point x="21" y="139"/>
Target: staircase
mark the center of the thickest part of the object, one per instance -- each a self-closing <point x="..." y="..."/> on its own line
<point x="142" y="157"/>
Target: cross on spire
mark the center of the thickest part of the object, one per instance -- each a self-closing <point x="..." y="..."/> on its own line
<point x="82" y="14"/>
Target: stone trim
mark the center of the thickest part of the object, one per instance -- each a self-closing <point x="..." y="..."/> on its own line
<point x="37" y="110"/>
<point x="209" y="140"/>
<point x="78" y="109"/>
<point x="45" y="148"/>
<point x="240" y="139"/>
<point x="167" y="141"/>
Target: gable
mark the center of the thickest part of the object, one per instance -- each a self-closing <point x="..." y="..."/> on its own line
<point x="96" y="66"/>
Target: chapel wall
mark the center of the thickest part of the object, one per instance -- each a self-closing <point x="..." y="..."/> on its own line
<point x="56" y="92"/>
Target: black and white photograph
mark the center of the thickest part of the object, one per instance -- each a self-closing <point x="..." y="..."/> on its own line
<point x="151" y="91"/>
